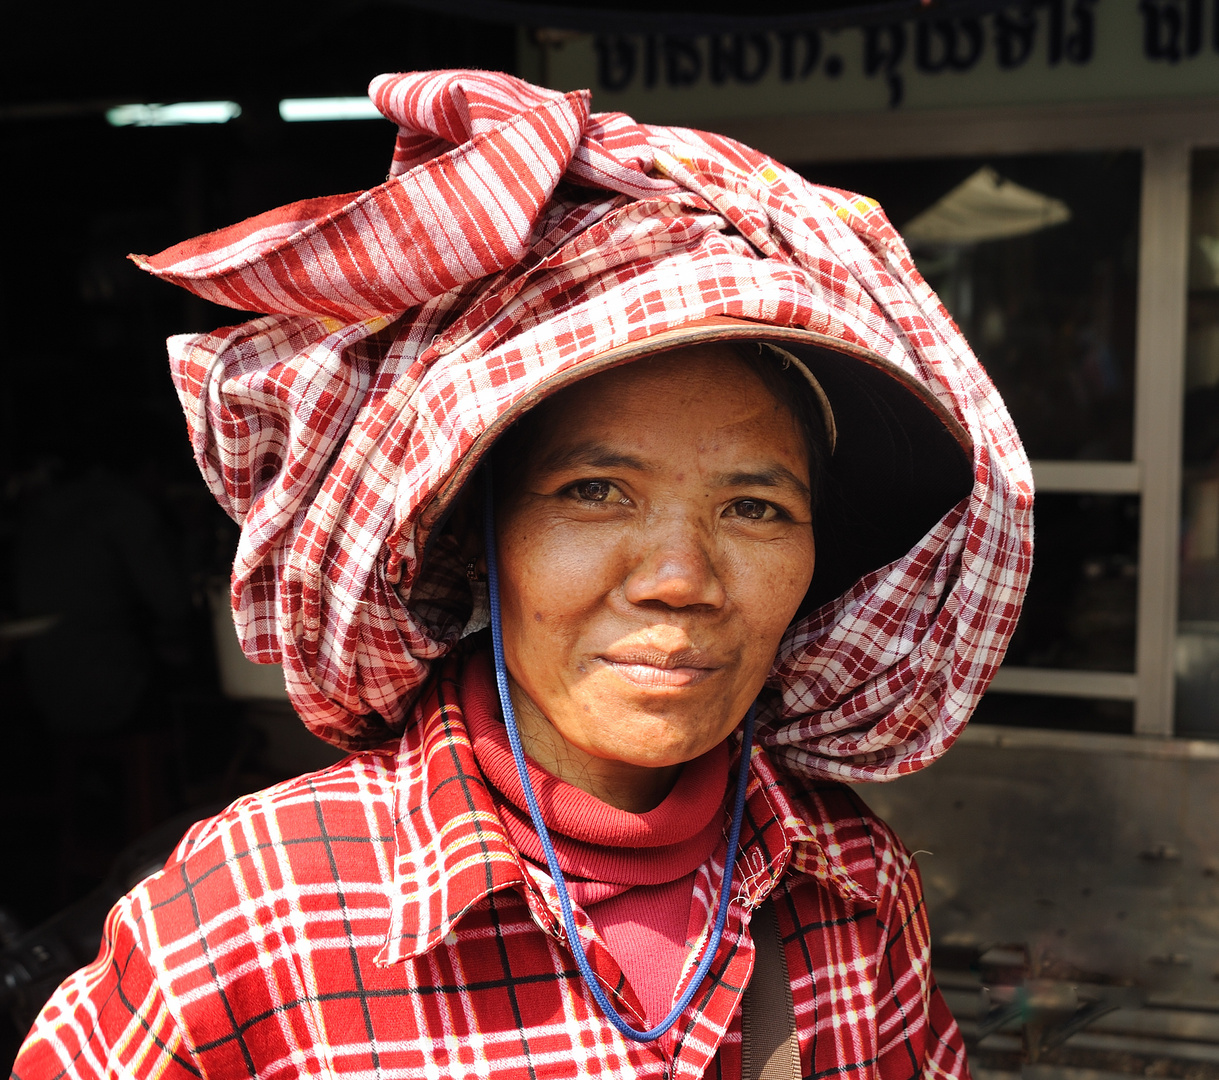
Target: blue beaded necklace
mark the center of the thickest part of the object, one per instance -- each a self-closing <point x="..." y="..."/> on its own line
<point x="518" y="753"/>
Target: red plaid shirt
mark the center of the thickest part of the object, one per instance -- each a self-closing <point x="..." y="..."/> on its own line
<point x="375" y="920"/>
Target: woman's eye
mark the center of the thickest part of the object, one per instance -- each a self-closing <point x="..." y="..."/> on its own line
<point x="597" y="491"/>
<point x="753" y="509"/>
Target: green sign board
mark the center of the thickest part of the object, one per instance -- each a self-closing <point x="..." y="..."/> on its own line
<point x="1046" y="52"/>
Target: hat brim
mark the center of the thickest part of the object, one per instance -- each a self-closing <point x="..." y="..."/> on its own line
<point x="900" y="461"/>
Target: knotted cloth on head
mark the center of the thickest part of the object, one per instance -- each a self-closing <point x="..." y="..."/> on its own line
<point x="517" y="237"/>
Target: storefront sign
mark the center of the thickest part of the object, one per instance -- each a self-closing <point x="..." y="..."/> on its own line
<point x="1045" y="52"/>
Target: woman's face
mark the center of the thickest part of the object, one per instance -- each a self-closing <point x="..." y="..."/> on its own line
<point x="651" y="556"/>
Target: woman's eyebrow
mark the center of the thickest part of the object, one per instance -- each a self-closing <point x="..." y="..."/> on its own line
<point x="772" y="476"/>
<point x="592" y="456"/>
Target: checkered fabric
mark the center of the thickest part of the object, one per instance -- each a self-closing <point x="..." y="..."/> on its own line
<point x="518" y="237"/>
<point x="375" y="921"/>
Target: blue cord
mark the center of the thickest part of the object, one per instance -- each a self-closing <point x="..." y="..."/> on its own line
<point x="552" y="861"/>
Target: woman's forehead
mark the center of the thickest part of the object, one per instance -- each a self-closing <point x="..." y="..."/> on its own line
<point x="660" y="396"/>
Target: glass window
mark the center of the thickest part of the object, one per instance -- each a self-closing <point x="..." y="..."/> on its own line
<point x="1056" y="713"/>
<point x="1197" y="697"/>
<point x="1036" y="258"/>
<point x="1081" y="608"/>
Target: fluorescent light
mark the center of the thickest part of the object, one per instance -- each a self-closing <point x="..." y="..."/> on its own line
<point x="328" y="108"/>
<point x="184" y="112"/>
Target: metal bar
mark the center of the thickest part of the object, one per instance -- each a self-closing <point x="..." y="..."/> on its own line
<point x="1087" y="477"/>
<point x="1159" y="385"/>
<point x="1110" y="685"/>
<point x="1092" y="744"/>
<point x="1167" y="1048"/>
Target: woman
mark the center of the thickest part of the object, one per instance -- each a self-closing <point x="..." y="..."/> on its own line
<point x="744" y="518"/>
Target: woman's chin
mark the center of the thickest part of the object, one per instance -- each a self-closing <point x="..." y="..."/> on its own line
<point x="651" y="742"/>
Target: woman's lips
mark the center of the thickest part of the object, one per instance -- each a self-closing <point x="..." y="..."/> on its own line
<point x="650" y="677"/>
<point x="652" y="670"/>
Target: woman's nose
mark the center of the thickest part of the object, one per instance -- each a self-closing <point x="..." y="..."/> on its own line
<point x="677" y="568"/>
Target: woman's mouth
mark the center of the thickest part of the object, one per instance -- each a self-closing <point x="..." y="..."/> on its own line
<point x="652" y="669"/>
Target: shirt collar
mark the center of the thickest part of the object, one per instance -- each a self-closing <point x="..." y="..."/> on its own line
<point x="450" y="848"/>
<point x="827" y="830"/>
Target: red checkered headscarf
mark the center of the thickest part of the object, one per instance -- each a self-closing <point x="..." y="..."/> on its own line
<point x="518" y="241"/>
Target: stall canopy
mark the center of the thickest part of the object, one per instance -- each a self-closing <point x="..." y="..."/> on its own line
<point x="982" y="207"/>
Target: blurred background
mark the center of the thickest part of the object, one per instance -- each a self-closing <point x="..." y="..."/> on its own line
<point x="1054" y="166"/>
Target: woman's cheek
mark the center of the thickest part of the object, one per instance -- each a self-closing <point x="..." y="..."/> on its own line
<point x="777" y="590"/>
<point x="586" y="558"/>
<point x="562" y="569"/>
